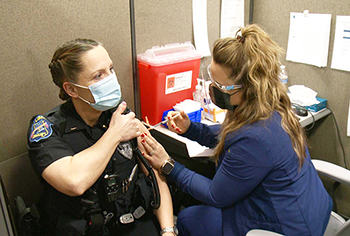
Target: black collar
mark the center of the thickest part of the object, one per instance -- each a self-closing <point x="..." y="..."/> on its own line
<point x="75" y="122"/>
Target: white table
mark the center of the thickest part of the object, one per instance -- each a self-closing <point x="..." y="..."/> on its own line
<point x="194" y="149"/>
<point x="307" y="120"/>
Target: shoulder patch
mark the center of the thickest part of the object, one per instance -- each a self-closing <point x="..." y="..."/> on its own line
<point x="41" y="129"/>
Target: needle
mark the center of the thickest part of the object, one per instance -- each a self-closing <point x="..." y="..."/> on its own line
<point x="163" y="122"/>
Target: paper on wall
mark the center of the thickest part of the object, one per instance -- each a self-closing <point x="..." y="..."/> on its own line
<point x="341" y="49"/>
<point x="200" y="29"/>
<point x="308" y="40"/>
<point x="232" y="17"/>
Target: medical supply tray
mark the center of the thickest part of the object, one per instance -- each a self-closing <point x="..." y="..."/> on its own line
<point x="194" y="116"/>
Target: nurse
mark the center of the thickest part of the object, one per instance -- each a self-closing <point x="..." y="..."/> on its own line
<point x="265" y="178"/>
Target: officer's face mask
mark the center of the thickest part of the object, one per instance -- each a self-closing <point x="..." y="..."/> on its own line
<point x="106" y="93"/>
<point x="221" y="99"/>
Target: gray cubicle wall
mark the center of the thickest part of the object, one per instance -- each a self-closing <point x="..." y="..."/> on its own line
<point x="329" y="83"/>
<point x="31" y="31"/>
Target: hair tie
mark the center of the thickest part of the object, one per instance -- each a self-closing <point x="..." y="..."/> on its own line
<point x="240" y="38"/>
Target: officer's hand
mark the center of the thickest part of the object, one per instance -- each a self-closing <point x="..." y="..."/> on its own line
<point x="154" y="151"/>
<point x="180" y="123"/>
<point x="124" y="126"/>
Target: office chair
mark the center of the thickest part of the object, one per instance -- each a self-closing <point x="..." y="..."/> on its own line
<point x="337" y="225"/>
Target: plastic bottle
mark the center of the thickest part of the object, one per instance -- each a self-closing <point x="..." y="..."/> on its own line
<point x="198" y="95"/>
<point x="283" y="76"/>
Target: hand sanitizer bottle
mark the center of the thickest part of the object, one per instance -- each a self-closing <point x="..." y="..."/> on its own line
<point x="198" y="95"/>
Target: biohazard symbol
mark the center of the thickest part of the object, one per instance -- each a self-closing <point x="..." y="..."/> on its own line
<point x="171" y="82"/>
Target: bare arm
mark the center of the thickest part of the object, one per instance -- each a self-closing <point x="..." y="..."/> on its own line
<point x="164" y="213"/>
<point x="73" y="175"/>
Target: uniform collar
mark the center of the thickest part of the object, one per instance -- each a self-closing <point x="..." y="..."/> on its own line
<point x="75" y="122"/>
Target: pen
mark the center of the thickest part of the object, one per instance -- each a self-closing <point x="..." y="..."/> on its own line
<point x="163" y="122"/>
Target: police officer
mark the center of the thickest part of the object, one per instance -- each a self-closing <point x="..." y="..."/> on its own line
<point x="82" y="150"/>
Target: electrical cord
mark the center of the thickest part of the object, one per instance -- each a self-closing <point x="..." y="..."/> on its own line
<point x="313" y="117"/>
<point x="336" y="125"/>
<point x="313" y="121"/>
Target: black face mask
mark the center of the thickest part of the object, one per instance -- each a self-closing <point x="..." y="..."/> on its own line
<point x="221" y="99"/>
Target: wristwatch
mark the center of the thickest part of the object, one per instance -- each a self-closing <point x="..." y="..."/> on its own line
<point x="167" y="166"/>
<point x="170" y="230"/>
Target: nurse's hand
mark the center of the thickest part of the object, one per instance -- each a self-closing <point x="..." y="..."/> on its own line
<point x="126" y="127"/>
<point x="178" y="121"/>
<point x="154" y="151"/>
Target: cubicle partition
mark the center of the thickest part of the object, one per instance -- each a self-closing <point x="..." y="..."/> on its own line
<point x="32" y="30"/>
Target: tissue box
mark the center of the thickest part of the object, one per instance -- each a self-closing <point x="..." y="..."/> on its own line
<point x="194" y="116"/>
<point x="319" y="106"/>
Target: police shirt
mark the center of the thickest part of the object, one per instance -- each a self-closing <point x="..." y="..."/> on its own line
<point x="60" y="133"/>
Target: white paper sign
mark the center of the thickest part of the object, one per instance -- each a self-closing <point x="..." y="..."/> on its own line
<point x="341" y="49"/>
<point x="308" y="40"/>
<point x="178" y="82"/>
<point x="232" y="17"/>
<point x="200" y="28"/>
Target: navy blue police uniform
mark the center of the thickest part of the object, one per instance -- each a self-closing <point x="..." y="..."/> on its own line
<point x="61" y="132"/>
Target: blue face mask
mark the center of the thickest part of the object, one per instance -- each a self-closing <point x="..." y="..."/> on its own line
<point x="106" y="93"/>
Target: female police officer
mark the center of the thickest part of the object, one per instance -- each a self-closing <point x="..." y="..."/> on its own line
<point x="82" y="150"/>
<point x="265" y="178"/>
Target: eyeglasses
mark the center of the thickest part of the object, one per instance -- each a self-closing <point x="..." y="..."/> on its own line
<point x="220" y="86"/>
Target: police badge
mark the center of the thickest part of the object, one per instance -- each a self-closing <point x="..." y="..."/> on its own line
<point x="125" y="149"/>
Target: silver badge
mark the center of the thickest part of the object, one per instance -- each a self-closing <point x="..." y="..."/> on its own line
<point x="125" y="149"/>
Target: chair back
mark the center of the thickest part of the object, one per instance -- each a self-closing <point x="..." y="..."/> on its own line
<point x="19" y="179"/>
<point x="344" y="230"/>
<point x="334" y="224"/>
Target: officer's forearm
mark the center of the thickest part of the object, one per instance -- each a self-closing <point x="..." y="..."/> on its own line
<point x="73" y="175"/>
<point x="164" y="213"/>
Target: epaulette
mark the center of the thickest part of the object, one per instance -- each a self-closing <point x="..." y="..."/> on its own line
<point x="57" y="117"/>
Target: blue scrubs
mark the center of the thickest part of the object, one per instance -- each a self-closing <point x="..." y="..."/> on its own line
<point x="257" y="185"/>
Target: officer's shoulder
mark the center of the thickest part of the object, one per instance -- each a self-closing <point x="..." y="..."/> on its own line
<point x="56" y="115"/>
<point x="51" y="116"/>
<point x="42" y="125"/>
